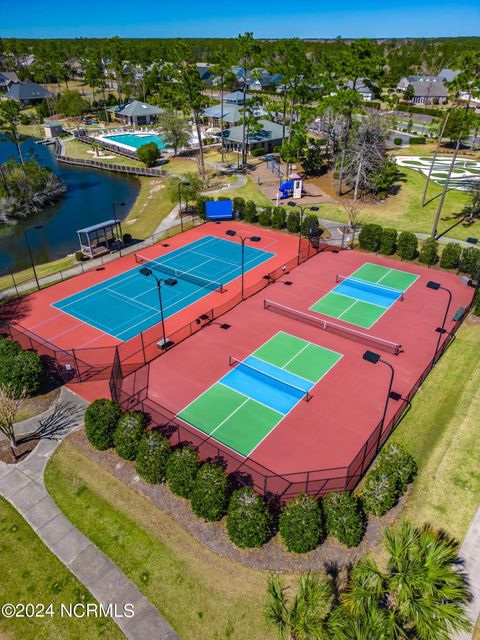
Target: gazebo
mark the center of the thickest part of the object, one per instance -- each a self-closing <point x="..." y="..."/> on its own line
<point x="100" y="238"/>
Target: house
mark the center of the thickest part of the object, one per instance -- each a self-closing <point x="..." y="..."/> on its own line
<point x="257" y="79"/>
<point x="428" y="89"/>
<point x="136" y="113"/>
<point x="53" y="129"/>
<point x="28" y="60"/>
<point x="447" y="75"/>
<point x="233" y="105"/>
<point x="7" y="78"/>
<point x="366" y="88"/>
<point x="27" y="92"/>
<point x="268" y="138"/>
<point x="204" y="71"/>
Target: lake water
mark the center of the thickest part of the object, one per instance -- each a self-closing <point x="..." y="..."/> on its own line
<point x="88" y="200"/>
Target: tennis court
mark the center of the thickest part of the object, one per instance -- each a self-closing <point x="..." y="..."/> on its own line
<point x="364" y="296"/>
<point x="246" y="404"/>
<point x="128" y="304"/>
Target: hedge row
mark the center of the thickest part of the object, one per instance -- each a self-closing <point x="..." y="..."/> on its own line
<point x="423" y="110"/>
<point x="387" y="241"/>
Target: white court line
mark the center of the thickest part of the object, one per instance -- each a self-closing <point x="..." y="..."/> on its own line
<point x="230" y="415"/>
<point x="297" y="354"/>
<point x="62" y="333"/>
<point x="39" y="324"/>
<point x="133" y="300"/>
<point x="348" y="308"/>
<point x="267" y="406"/>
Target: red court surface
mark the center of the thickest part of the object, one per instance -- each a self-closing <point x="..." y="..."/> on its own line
<point x="94" y="347"/>
<point x="331" y="430"/>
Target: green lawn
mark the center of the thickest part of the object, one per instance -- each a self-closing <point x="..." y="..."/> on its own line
<point x="203" y="596"/>
<point x="250" y="192"/>
<point x="76" y="149"/>
<point x="32" y="574"/>
<point x="149" y="209"/>
<point x="403" y="211"/>
<point x="441" y="431"/>
<point x="43" y="270"/>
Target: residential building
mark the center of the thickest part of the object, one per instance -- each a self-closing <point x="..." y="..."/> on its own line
<point x="268" y="138"/>
<point x="366" y="88"/>
<point x="7" y="79"/>
<point x="136" y="113"/>
<point x="233" y="106"/>
<point x="27" y="92"/>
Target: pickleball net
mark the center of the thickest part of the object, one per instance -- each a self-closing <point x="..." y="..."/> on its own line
<point x="214" y="285"/>
<point x="333" y="327"/>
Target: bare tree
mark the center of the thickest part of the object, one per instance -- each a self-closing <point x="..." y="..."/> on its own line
<point x="366" y="153"/>
<point x="352" y="207"/>
<point x="10" y="403"/>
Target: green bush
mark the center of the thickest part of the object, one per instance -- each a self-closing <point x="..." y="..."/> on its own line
<point x="470" y="261"/>
<point x="256" y="153"/>
<point x="370" y="236"/>
<point x="300" y="524"/>
<point x="344" y="518"/>
<point x="423" y="110"/>
<point x="417" y="140"/>
<point x="476" y="305"/>
<point x="278" y="218"/>
<point x="388" y="241"/>
<point x="265" y="217"/>
<point x="451" y="255"/>
<point x="152" y="457"/>
<point x="250" y="214"/>
<point x="127" y="238"/>
<point x="182" y="468"/>
<point x="210" y="492"/>
<point x="101" y="419"/>
<point x="395" y="459"/>
<point x="429" y="252"/>
<point x="397" y="141"/>
<point x="20" y="371"/>
<point x="407" y="245"/>
<point x="293" y="222"/>
<point x="239" y="206"/>
<point x="149" y="154"/>
<point x="249" y="521"/>
<point x="201" y="206"/>
<point x="128" y="434"/>
<point x="380" y="492"/>
<point x="310" y="226"/>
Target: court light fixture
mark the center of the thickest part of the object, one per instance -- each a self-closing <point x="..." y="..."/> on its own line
<point x="243" y="239"/>
<point x="230" y="232"/>
<point x="35" y="227"/>
<point x="170" y="282"/>
<point x="145" y="271"/>
<point x="433" y="285"/>
<point x="254" y="239"/>
<point x="373" y="358"/>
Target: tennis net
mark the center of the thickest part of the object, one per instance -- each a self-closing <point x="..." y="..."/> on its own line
<point x="333" y="327"/>
<point x="371" y="287"/>
<point x="291" y="389"/>
<point x="214" y="285"/>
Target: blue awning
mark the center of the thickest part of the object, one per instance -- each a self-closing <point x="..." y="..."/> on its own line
<point x="100" y="225"/>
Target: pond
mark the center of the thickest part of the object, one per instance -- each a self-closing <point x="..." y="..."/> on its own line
<point x="89" y="199"/>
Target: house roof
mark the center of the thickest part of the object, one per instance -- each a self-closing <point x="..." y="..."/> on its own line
<point x="232" y="113"/>
<point x="429" y="89"/>
<point x="235" y="96"/>
<point x="448" y="75"/>
<point x="27" y="91"/>
<point x="362" y="87"/>
<point x="270" y="131"/>
<point x="136" y="108"/>
<point x="8" y="76"/>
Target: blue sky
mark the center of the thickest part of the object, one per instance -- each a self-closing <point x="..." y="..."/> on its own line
<point x="281" y="18"/>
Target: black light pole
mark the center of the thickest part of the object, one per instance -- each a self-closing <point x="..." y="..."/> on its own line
<point x="302" y="208"/>
<point x="243" y="239"/>
<point x="120" y="204"/>
<point x="441" y="330"/>
<point x="373" y="358"/>
<point x="25" y="233"/>
<point x="170" y="282"/>
<point x="182" y="183"/>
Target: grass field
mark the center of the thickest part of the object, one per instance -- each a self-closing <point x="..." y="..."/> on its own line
<point x="43" y="270"/>
<point x="77" y="149"/>
<point x="204" y="596"/>
<point x="403" y="211"/>
<point x="31" y="573"/>
<point x="249" y="192"/>
<point x="149" y="209"/>
<point x="441" y="431"/>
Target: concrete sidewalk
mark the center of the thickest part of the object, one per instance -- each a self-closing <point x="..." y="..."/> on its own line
<point x="470" y="554"/>
<point x="23" y="486"/>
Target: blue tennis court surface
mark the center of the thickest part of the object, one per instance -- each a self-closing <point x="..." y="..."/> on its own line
<point x="127" y="304"/>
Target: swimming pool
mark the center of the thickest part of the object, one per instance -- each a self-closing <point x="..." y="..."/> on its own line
<point x="135" y="140"/>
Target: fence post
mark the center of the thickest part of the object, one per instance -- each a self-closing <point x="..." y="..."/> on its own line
<point x="143" y="348"/>
<point x="75" y="364"/>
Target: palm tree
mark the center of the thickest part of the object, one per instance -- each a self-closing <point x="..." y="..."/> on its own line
<point x="420" y="594"/>
<point x="9" y="115"/>
<point x="302" y="617"/>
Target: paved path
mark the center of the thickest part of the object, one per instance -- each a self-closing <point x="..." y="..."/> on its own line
<point x="470" y="553"/>
<point x="23" y="485"/>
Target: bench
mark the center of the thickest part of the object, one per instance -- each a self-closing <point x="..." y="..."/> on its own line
<point x="458" y="315"/>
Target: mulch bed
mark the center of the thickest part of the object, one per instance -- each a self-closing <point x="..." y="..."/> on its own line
<point x="21" y="451"/>
<point x="270" y="557"/>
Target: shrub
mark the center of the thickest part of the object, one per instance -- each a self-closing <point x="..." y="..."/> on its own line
<point x="249" y="520"/>
<point x="370" y="236"/>
<point x="344" y="518"/>
<point x="293" y="222"/>
<point x="470" y="261"/>
<point x="388" y="241"/>
<point x="21" y="371"/>
<point x="101" y="419"/>
<point x="250" y="214"/>
<point x="395" y="459"/>
<point x="397" y="141"/>
<point x="79" y="256"/>
<point x="149" y="154"/>
<point x="476" y="305"/>
<point x="210" y="492"/>
<point x="310" y="225"/>
<point x="451" y="256"/>
<point x="152" y="457"/>
<point x="258" y="152"/>
<point x="239" y="206"/>
<point x="407" y="244"/>
<point x="182" y="468"/>
<point x="278" y="218"/>
<point x="429" y="253"/>
<point x="300" y="523"/>
<point x="265" y="217"/>
<point x="417" y="140"/>
<point x="128" y="434"/>
<point x="380" y="492"/>
<point x="127" y="238"/>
